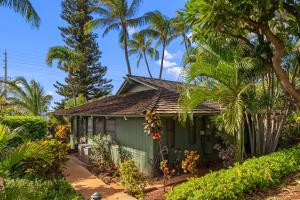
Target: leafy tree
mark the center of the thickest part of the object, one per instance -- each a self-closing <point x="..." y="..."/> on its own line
<point x="25" y="8"/>
<point x="160" y="28"/>
<point x="224" y="84"/>
<point x="88" y="74"/>
<point x="28" y="96"/>
<point x="141" y="46"/>
<point x="269" y="29"/>
<point x="118" y="15"/>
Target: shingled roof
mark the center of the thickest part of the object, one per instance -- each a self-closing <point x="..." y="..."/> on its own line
<point x="162" y="97"/>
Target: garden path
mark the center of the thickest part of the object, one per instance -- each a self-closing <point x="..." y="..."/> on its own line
<point x="85" y="183"/>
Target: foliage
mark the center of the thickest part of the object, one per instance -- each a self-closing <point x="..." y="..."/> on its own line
<point x="25" y="8"/>
<point x="133" y="180"/>
<point x="63" y="133"/>
<point x="34" y="127"/>
<point x="30" y="97"/>
<point x="87" y="76"/>
<point x="79" y="101"/>
<point x="226" y="152"/>
<point x="152" y="125"/>
<point x="12" y="156"/>
<point x="191" y="161"/>
<point x="118" y="15"/>
<point x="100" y="153"/>
<point x="51" y="169"/>
<point x="25" y="189"/>
<point x="161" y="29"/>
<point x="259" y="27"/>
<point x="140" y="45"/>
<point x="253" y="174"/>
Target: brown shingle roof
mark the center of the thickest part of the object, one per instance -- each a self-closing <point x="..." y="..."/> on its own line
<point x="162" y="99"/>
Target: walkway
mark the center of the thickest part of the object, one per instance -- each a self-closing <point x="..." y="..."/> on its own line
<point x="86" y="183"/>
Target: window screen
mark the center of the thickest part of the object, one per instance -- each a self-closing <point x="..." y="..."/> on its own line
<point x="111" y="128"/>
<point x="171" y="133"/>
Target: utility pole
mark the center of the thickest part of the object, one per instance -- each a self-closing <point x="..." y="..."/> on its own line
<point x="5" y="71"/>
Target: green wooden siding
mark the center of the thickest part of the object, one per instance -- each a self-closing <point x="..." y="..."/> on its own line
<point x="130" y="135"/>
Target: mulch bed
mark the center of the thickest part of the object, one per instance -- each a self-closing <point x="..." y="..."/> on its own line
<point x="108" y="177"/>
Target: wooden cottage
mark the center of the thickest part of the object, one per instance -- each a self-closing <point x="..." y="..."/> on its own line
<point x="121" y="116"/>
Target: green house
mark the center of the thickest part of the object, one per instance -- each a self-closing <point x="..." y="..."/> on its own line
<point x="122" y="117"/>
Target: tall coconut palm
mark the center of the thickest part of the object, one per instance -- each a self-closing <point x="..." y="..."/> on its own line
<point x="29" y="96"/>
<point x="160" y="28"/>
<point x="224" y="83"/>
<point x="118" y="15"/>
<point x="67" y="60"/>
<point x="25" y="8"/>
<point x="182" y="29"/>
<point x="141" y="46"/>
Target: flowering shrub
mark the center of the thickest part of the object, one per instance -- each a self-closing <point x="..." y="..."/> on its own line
<point x="190" y="163"/>
<point x="152" y="125"/>
<point x="226" y="152"/>
<point x="231" y="183"/>
<point x="133" y="180"/>
<point x="100" y="154"/>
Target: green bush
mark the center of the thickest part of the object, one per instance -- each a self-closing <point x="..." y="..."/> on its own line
<point x="25" y="189"/>
<point x="132" y="179"/>
<point x="253" y="174"/>
<point x="34" y="127"/>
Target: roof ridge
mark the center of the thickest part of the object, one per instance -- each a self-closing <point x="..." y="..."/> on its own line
<point x="130" y="75"/>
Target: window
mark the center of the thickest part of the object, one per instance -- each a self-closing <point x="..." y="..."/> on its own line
<point x="111" y="128"/>
<point x="171" y="133"/>
<point x="192" y="133"/>
<point x="99" y="125"/>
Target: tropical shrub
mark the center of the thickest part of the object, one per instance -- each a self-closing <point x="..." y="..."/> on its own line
<point x="253" y="174"/>
<point x="132" y="179"/>
<point x="62" y="133"/>
<point x="190" y="163"/>
<point x="33" y="127"/>
<point x="226" y="152"/>
<point x="100" y="153"/>
<point x="25" y="189"/>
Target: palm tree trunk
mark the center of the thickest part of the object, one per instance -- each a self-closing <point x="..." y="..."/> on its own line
<point x="186" y="47"/>
<point x="147" y="64"/>
<point x="162" y="59"/>
<point x="126" y="50"/>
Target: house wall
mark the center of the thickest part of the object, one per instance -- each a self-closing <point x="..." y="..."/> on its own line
<point x="131" y="138"/>
<point x="204" y="139"/>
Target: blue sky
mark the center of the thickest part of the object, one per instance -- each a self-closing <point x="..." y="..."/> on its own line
<point x="27" y="47"/>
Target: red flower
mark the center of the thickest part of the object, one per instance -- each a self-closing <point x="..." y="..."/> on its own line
<point x="156" y="136"/>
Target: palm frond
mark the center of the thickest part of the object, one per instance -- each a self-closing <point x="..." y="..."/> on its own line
<point x="25" y="8"/>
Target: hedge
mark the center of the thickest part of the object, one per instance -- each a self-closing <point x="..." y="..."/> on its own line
<point x="34" y="127"/>
<point x="256" y="173"/>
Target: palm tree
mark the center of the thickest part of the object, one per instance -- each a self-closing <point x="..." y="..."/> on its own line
<point x="25" y="8"/>
<point x="181" y="29"/>
<point x="141" y="46"/>
<point x="67" y="60"/>
<point x="9" y="156"/>
<point x="160" y="28"/>
<point x="29" y="96"/>
<point x="118" y="15"/>
<point x="224" y="83"/>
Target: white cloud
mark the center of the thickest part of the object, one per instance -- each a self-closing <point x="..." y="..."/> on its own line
<point x="176" y="71"/>
<point x="50" y="93"/>
<point x="131" y="30"/>
<point x="168" y="55"/>
<point x="167" y="63"/>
